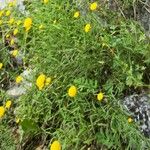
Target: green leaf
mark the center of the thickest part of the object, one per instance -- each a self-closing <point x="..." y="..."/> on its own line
<point x="29" y="125"/>
<point x="129" y="81"/>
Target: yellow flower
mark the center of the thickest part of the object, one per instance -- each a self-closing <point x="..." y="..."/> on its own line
<point x="15" y="52"/>
<point x="11" y="21"/>
<point x="41" y="27"/>
<point x="19" y="22"/>
<point x="55" y="146"/>
<point x="2" y="111"/>
<point x="1" y="22"/>
<point x="7" y="35"/>
<point x="130" y="120"/>
<point x="76" y="14"/>
<point x="100" y="96"/>
<point x="93" y="6"/>
<point x="8" y="104"/>
<point x="45" y="1"/>
<point x="8" y="13"/>
<point x="72" y="91"/>
<point x="12" y="42"/>
<point x="1" y="65"/>
<point x="19" y="79"/>
<point x="27" y="24"/>
<point x="87" y="28"/>
<point x="15" y="31"/>
<point x="48" y="81"/>
<point x="1" y="13"/>
<point x="40" y="81"/>
<point x="11" y="4"/>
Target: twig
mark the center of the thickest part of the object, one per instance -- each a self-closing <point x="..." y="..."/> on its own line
<point x="120" y="9"/>
<point x="147" y="9"/>
<point x="145" y="3"/>
<point x="134" y="10"/>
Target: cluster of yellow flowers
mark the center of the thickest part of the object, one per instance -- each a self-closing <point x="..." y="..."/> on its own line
<point x="93" y="6"/>
<point x="72" y="92"/>
<point x="42" y="80"/>
<point x="14" y="27"/>
<point x="10" y="22"/>
<point x="3" y="108"/>
<point x="13" y="24"/>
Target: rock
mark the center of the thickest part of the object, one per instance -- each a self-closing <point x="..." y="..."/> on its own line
<point x="16" y="91"/>
<point x="21" y="89"/>
<point x="19" y="4"/>
<point x="138" y="105"/>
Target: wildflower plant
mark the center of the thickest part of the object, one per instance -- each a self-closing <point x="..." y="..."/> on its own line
<point x="79" y="60"/>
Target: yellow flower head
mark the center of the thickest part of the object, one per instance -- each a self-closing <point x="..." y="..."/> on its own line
<point x="11" y="4"/>
<point x="41" y="27"/>
<point x="19" y="22"/>
<point x="27" y="24"/>
<point x="93" y="6"/>
<point x="100" y="96"/>
<point x="7" y="35"/>
<point x="40" y="81"/>
<point x="2" y="111"/>
<point x="87" y="28"/>
<point x="45" y="1"/>
<point x="15" y="53"/>
<point x="1" y="13"/>
<point x="76" y="14"/>
<point x="130" y="120"/>
<point x="48" y="81"/>
<point x="55" y="146"/>
<point x="72" y="91"/>
<point x="1" y="65"/>
<point x="8" y="13"/>
<point x="1" y="22"/>
<point x="15" y="31"/>
<point x="8" y="104"/>
<point x="11" y="21"/>
<point x="19" y="79"/>
<point x="12" y="42"/>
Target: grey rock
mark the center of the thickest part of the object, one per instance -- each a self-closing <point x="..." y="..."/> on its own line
<point x="16" y="91"/>
<point x="19" y="4"/>
<point x="138" y="106"/>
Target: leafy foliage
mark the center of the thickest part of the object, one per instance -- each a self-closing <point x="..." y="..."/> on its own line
<point x="111" y="58"/>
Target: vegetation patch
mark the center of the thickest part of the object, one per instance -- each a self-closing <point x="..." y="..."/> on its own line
<point x="82" y="64"/>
